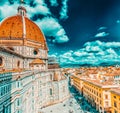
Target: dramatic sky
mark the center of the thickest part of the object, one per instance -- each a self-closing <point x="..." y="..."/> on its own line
<point x="78" y="32"/>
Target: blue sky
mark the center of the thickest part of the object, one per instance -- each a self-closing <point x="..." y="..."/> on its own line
<point x="79" y="32"/>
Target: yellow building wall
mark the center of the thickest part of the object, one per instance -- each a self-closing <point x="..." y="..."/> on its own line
<point x="77" y="82"/>
<point x="115" y="98"/>
<point x="95" y="94"/>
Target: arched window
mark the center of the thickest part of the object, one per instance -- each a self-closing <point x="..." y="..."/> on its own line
<point x="18" y="64"/>
<point x="51" y="78"/>
<point x="51" y="91"/>
<point x="3" y="109"/>
<point x="1" y="61"/>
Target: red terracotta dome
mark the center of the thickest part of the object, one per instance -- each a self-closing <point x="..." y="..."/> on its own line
<point x="19" y="27"/>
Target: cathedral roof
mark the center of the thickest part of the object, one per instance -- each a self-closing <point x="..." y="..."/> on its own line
<point x="37" y="61"/>
<point x="20" y="27"/>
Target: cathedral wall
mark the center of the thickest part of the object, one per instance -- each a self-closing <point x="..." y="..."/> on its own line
<point x="23" y="89"/>
<point x="63" y="90"/>
<point x="10" y="61"/>
<point x="28" y="94"/>
<point x="5" y="92"/>
<point x="51" y="91"/>
<point x="31" y="52"/>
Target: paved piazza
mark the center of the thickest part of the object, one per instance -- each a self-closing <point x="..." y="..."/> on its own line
<point x="65" y="107"/>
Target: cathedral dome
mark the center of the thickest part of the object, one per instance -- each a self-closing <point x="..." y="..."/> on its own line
<point x="21" y="27"/>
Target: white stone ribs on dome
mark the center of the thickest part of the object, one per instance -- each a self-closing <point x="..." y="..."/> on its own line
<point x="19" y="30"/>
<point x="24" y="27"/>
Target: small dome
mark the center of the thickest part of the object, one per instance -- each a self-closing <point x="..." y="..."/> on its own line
<point x="19" y="26"/>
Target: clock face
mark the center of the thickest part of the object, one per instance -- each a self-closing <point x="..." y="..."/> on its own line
<point x="1" y="61"/>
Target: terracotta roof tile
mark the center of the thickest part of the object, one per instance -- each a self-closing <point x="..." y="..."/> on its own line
<point x="37" y="61"/>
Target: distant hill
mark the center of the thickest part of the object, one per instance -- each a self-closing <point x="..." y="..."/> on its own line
<point x="90" y="65"/>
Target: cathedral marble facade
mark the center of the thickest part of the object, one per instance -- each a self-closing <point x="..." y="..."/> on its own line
<point x="26" y="83"/>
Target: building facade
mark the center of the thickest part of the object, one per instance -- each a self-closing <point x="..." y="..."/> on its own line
<point x="100" y="90"/>
<point x="26" y="83"/>
<point x="117" y="79"/>
<point x="115" y="97"/>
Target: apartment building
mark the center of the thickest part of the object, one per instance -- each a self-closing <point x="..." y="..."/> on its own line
<point x="115" y="100"/>
<point x="100" y="88"/>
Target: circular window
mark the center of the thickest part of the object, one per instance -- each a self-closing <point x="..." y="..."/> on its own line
<point x="1" y="61"/>
<point x="35" y="52"/>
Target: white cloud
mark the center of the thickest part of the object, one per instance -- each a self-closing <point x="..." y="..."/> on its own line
<point x="93" y="48"/>
<point x="60" y="32"/>
<point x="112" y="44"/>
<point x="98" y="53"/>
<point x="40" y="8"/>
<point x="101" y="53"/>
<point x="103" y="44"/>
<point x="94" y="43"/>
<point x="61" y="39"/>
<point x="11" y="10"/>
<point x="77" y="53"/>
<point x="54" y="2"/>
<point x="80" y="53"/>
<point x="64" y="10"/>
<point x="102" y="34"/>
<point x="52" y="28"/>
<point x="111" y="51"/>
<point x="102" y="28"/>
<point x="54" y="55"/>
<point x="67" y="54"/>
<point x="118" y="21"/>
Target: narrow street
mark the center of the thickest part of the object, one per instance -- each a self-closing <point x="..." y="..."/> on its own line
<point x="75" y="104"/>
<point x="84" y="106"/>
